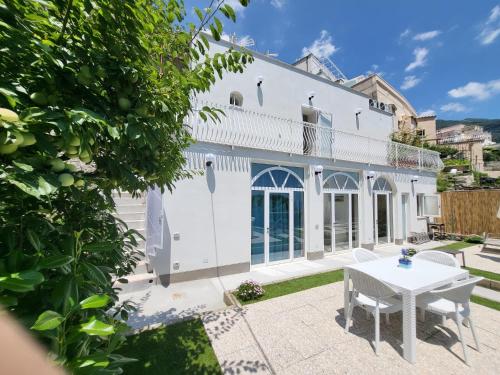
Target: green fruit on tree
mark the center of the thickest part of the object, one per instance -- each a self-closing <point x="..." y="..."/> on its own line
<point x="57" y="165"/>
<point x="70" y="167"/>
<point x="8" y="115"/>
<point x="124" y="103"/>
<point x="39" y="98"/>
<point x="79" y="183"/>
<point x="29" y="140"/>
<point x="74" y="141"/>
<point x="8" y="148"/>
<point x="19" y="138"/>
<point x="66" y="179"/>
<point x="71" y="151"/>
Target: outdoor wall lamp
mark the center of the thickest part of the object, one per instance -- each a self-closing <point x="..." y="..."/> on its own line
<point x="209" y="160"/>
<point x="318" y="169"/>
<point x="370" y="175"/>
<point x="311" y="95"/>
<point x="260" y="79"/>
<point x="358" y="111"/>
<point x="414" y="179"/>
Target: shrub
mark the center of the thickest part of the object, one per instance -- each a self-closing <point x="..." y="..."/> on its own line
<point x="474" y="239"/>
<point x="249" y="290"/>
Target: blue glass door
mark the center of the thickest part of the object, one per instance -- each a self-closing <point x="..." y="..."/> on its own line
<point x="258" y="225"/>
<point x="279" y="226"/>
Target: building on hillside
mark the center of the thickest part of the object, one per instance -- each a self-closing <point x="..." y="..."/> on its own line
<point x="300" y="167"/>
<point x="388" y="98"/>
<point x="469" y="140"/>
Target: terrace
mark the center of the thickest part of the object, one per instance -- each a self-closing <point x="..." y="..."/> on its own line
<point x="244" y="128"/>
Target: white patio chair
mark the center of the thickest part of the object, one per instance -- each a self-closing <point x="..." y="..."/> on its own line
<point x="453" y="303"/>
<point x="438" y="257"/>
<point x="361" y="255"/>
<point x="374" y="296"/>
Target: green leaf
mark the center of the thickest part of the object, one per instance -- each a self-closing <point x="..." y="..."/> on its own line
<point x="95" y="301"/>
<point x="113" y="132"/>
<point x="214" y="32"/>
<point x="21" y="281"/>
<point x="94" y="273"/>
<point x="48" y="320"/>
<point x="55" y="261"/>
<point x="199" y="13"/>
<point x="219" y="25"/>
<point x="10" y="95"/>
<point x="34" y="240"/>
<point x="94" y="327"/>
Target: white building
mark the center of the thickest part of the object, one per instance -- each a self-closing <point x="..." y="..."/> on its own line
<point x="301" y="167"/>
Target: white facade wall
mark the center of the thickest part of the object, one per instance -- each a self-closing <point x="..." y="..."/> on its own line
<point x="207" y="219"/>
<point x="286" y="88"/>
<point x="207" y="225"/>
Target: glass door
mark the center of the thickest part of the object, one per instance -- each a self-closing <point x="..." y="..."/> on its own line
<point x="258" y="227"/>
<point x="341" y="209"/>
<point x="340" y="221"/>
<point x="279" y="226"/>
<point x="382" y="208"/>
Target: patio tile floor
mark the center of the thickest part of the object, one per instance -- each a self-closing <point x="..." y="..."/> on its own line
<point x="302" y="333"/>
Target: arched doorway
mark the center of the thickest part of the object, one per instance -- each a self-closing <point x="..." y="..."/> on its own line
<point x="383" y="221"/>
<point x="277" y="214"/>
<point x="340" y="211"/>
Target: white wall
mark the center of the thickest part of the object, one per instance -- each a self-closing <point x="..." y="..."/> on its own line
<point x="211" y="212"/>
<point x="286" y="88"/>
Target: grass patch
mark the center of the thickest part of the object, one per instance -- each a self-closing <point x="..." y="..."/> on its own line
<point x="455" y="246"/>
<point x="485" y="302"/>
<point x="297" y="285"/>
<point x="182" y="348"/>
<point x="485" y="274"/>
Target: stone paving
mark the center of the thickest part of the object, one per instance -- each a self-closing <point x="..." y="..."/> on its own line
<point x="483" y="260"/>
<point x="303" y="333"/>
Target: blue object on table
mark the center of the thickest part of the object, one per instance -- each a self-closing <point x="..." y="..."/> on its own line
<point x="405" y="263"/>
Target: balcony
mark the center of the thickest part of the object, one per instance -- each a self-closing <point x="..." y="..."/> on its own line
<point x="245" y="128"/>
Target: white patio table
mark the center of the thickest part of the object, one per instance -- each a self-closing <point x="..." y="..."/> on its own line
<point x="422" y="277"/>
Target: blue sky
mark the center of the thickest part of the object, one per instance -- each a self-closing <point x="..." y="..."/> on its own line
<point x="444" y="56"/>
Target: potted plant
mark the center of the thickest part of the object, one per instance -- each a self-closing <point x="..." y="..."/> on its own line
<point x="405" y="260"/>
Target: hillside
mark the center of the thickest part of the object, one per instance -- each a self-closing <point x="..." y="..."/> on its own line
<point x="490" y="125"/>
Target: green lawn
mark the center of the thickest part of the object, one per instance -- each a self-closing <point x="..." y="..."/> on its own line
<point x="485" y="274"/>
<point x="455" y="246"/>
<point x="182" y="348"/>
<point x="486" y="302"/>
<point x="299" y="284"/>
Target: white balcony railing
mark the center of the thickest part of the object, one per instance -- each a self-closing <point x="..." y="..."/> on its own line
<point x="244" y="128"/>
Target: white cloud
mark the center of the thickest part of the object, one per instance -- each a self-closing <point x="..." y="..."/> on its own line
<point x="321" y="47"/>
<point x="405" y="33"/>
<point x="490" y="29"/>
<point x="245" y="40"/>
<point x="427" y="112"/>
<point x="410" y="82"/>
<point x="476" y="90"/>
<point x="453" y="107"/>
<point x="488" y="36"/>
<point x="279" y="4"/>
<point x="494" y="14"/>
<point x="427" y="35"/>
<point x="420" y="58"/>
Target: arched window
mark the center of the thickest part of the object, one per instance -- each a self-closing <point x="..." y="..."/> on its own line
<point x="340" y="181"/>
<point x="235" y="98"/>
<point x="381" y="184"/>
<point x="278" y="178"/>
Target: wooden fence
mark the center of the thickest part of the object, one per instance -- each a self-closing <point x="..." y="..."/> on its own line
<point x="471" y="212"/>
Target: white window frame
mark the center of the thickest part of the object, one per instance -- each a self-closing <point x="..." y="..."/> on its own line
<point x="433" y="196"/>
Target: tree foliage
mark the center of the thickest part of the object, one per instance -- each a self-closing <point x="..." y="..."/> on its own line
<point x="93" y="95"/>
